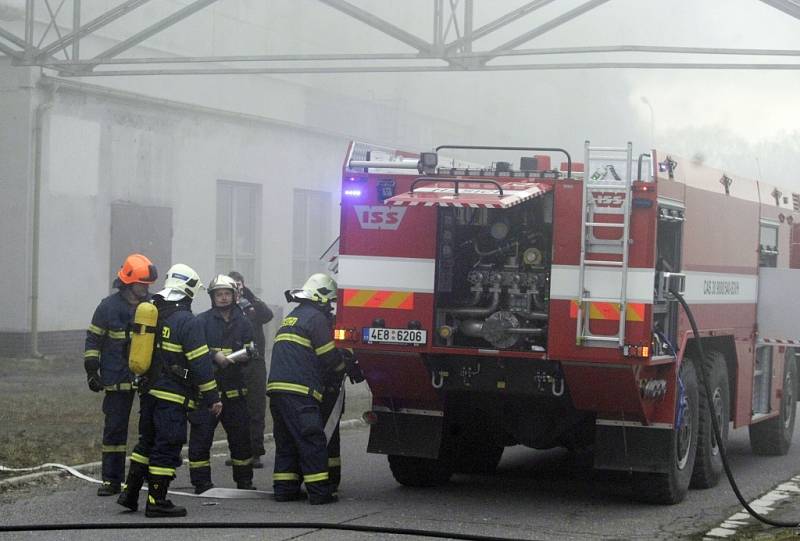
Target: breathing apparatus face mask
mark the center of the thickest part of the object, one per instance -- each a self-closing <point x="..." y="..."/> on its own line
<point x="140" y="291"/>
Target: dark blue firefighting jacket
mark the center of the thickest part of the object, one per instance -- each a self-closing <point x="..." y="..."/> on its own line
<point x="303" y="353"/>
<point x="227" y="337"/>
<point x="108" y="340"/>
<point x="181" y="367"/>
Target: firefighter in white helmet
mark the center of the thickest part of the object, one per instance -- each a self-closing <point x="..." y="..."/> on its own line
<point x="302" y="356"/>
<point x="227" y="329"/>
<point x="181" y="369"/>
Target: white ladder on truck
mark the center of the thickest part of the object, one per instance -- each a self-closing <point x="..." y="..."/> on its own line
<point x="605" y="192"/>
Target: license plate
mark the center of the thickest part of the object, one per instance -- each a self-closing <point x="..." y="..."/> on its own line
<point x="414" y="337"/>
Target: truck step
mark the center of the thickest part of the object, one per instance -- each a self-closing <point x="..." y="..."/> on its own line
<point x="602" y="263"/>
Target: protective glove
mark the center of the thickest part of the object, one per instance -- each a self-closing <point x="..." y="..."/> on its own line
<point x="245" y="304"/>
<point x="93" y="380"/>
<point x="215" y="408"/>
<point x="352" y="368"/>
<point x="221" y="360"/>
<point x="354" y="373"/>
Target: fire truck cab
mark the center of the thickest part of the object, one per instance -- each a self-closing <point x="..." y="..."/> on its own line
<point x="498" y="302"/>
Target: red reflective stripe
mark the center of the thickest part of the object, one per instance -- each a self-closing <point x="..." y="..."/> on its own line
<point x="635" y="312"/>
<point x="607" y="310"/>
<point x="366" y="298"/>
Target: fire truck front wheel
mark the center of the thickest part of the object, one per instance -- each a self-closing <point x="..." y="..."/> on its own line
<point x="774" y="436"/>
<point x="708" y="463"/>
<point x="419" y="472"/>
<point x="671" y="487"/>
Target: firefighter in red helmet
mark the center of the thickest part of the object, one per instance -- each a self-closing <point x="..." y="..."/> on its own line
<point x="106" y="362"/>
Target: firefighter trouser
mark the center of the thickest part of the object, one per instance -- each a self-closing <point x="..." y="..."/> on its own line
<point x="255" y="374"/>
<point x="300" y="446"/>
<point x="203" y="424"/>
<point x="334" y="452"/>
<point x="162" y="433"/>
<point x="117" y="411"/>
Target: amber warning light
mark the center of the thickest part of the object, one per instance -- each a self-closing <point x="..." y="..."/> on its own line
<point x="636" y="351"/>
<point x="346" y="335"/>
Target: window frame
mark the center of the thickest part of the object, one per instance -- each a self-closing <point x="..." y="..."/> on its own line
<point x="310" y="260"/>
<point x="768" y="255"/>
<point x="235" y="258"/>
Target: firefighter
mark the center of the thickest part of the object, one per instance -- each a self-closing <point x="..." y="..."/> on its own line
<point x="106" y="363"/>
<point x="181" y="369"/>
<point x="302" y="357"/>
<point x="255" y="371"/>
<point x="227" y="330"/>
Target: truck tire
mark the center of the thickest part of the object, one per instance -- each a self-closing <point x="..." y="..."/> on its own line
<point x="671" y="487"/>
<point x="774" y="436"/>
<point x="413" y="471"/>
<point x="708" y="462"/>
<point x="477" y="458"/>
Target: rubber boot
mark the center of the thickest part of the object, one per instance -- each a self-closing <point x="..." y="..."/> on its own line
<point x="137" y="473"/>
<point x="157" y="503"/>
<point x="322" y="499"/>
<point x="108" y="488"/>
<point x="243" y="477"/>
<point x="203" y="487"/>
<point x="291" y="497"/>
<point x="245" y="485"/>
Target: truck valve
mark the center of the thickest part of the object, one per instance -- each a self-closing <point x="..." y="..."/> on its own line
<point x="437" y="379"/>
<point x="560" y="383"/>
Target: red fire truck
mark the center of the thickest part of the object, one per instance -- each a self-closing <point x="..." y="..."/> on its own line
<point x="531" y="303"/>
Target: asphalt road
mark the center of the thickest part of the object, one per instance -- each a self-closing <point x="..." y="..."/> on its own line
<point x="534" y="495"/>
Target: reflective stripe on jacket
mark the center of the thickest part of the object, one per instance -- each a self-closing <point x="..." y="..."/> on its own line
<point x="227" y="337"/>
<point x="181" y="362"/>
<point x="107" y="339"/>
<point x="303" y="353"/>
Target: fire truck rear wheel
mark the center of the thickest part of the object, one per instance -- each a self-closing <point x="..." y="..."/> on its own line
<point x="671" y="487"/>
<point x="708" y="462"/>
<point x="774" y="436"/>
<point x="419" y="472"/>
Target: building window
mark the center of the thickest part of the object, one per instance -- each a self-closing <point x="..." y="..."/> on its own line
<point x="768" y="246"/>
<point x="238" y="228"/>
<point x="311" y="233"/>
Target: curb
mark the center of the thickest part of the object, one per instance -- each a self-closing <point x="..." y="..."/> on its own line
<point x="32" y="478"/>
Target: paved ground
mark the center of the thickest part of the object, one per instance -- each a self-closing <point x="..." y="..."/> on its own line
<point x="535" y="495"/>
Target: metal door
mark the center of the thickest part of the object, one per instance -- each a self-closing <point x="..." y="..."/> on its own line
<point x="146" y="230"/>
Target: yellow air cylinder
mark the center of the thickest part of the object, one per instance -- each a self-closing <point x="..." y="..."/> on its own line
<point x="143" y="338"/>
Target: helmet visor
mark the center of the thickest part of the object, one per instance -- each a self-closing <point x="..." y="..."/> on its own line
<point x="169" y="294"/>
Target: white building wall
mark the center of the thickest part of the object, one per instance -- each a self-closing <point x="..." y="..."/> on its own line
<point x="151" y="154"/>
<point x="165" y="141"/>
<point x="16" y="132"/>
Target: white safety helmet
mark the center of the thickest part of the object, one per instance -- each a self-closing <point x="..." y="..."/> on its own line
<point x="221" y="281"/>
<point x="181" y="281"/>
<point x="319" y="288"/>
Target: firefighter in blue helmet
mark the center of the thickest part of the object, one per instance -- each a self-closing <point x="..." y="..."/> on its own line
<point x="180" y="370"/>
<point x="106" y="363"/>
<point x="227" y="330"/>
<point x="303" y="355"/>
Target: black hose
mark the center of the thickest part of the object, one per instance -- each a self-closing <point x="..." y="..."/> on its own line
<point x="715" y="424"/>
<point x="248" y="525"/>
